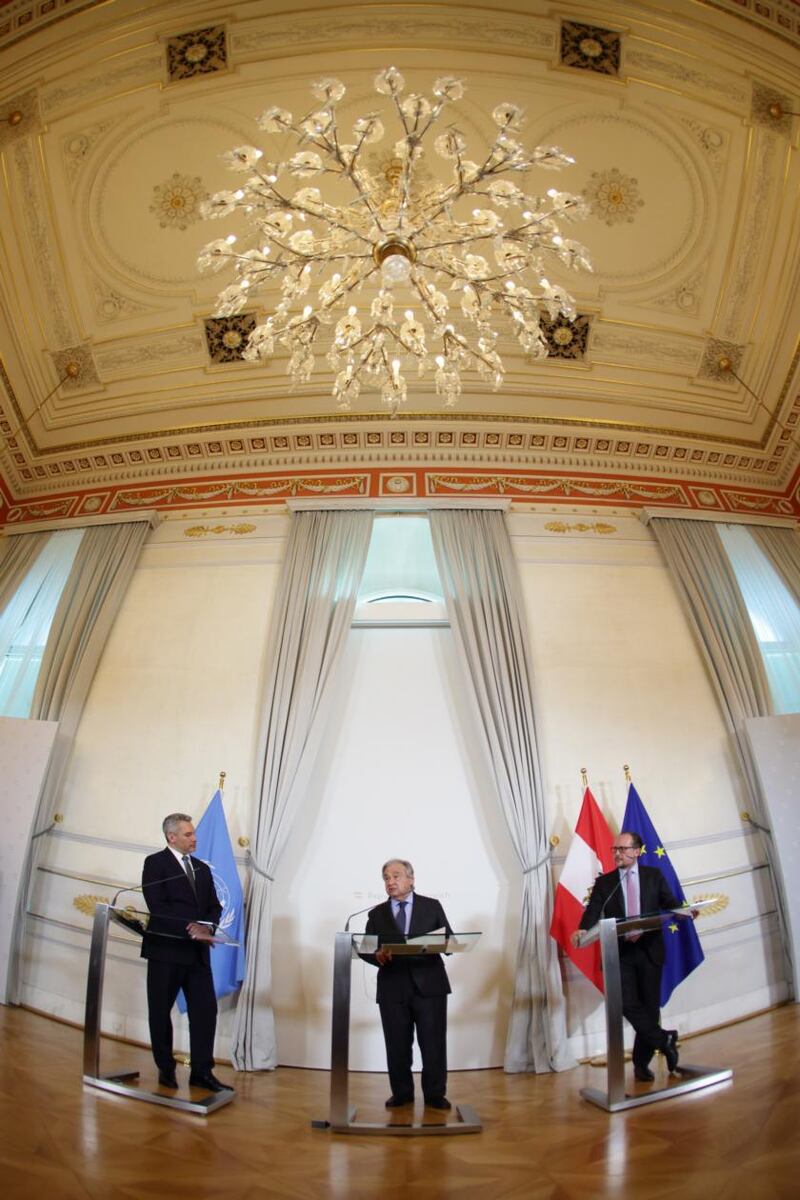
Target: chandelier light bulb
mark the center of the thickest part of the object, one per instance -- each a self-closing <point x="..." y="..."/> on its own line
<point x="367" y="217"/>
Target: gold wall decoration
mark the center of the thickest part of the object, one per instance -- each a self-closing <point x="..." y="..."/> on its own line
<point x="87" y="904"/>
<point x="580" y="527"/>
<point x="198" y="531"/>
<point x="721" y="902"/>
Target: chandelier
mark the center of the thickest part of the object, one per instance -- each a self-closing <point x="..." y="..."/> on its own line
<point x="389" y="263"/>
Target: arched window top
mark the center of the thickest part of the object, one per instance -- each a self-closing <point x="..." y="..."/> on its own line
<point x="401" y="583"/>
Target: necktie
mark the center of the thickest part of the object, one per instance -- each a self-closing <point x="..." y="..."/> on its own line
<point x="189" y="869"/>
<point x="400" y="919"/>
<point x="631" y="905"/>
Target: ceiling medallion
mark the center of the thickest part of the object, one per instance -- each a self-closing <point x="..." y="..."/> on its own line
<point x="364" y="260"/>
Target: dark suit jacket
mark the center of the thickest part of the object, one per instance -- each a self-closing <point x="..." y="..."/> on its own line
<point x="423" y="973"/>
<point x="173" y="905"/>
<point x="654" y="895"/>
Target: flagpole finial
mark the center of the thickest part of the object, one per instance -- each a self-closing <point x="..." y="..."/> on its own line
<point x="221" y="780"/>
<point x="584" y="777"/>
<point x="627" y="771"/>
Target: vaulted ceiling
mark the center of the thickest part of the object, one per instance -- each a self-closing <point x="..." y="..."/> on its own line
<point x="677" y="384"/>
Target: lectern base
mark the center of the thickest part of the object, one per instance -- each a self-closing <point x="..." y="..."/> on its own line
<point x="118" y="1084"/>
<point x="692" y="1078"/>
<point x="468" y="1122"/>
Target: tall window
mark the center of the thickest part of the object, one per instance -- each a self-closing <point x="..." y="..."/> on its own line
<point x="25" y="624"/>
<point x="773" y="612"/>
<point x="400" y="584"/>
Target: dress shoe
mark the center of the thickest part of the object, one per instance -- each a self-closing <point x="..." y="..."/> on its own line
<point x="210" y="1083"/>
<point x="399" y="1101"/>
<point x="643" y="1074"/>
<point x="671" y="1050"/>
<point x="438" y="1102"/>
<point x="167" y="1079"/>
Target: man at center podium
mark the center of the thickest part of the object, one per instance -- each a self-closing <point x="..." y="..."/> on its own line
<point x="412" y="989"/>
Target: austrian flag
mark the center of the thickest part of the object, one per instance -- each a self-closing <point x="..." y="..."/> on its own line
<point x="589" y="855"/>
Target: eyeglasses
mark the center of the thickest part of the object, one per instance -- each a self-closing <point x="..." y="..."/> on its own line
<point x="623" y="849"/>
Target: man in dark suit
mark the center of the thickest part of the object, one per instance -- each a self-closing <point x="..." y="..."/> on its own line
<point x="631" y="890"/>
<point x="412" y="989"/>
<point x="179" y="892"/>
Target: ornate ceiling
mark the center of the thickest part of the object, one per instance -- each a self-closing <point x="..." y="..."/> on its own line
<point x="113" y="118"/>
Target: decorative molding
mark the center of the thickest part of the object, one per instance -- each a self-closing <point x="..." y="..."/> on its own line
<point x="754" y="227"/>
<point x="20" y="118"/>
<point x="226" y="337"/>
<point x="716" y="349"/>
<point x="590" y="48"/>
<point x="41" y="243"/>
<point x="199" y="531"/>
<point x="579" y="527"/>
<point x="382" y="26"/>
<point x="201" y="52"/>
<point x="132" y="355"/>
<point x="176" y="202"/>
<point x="612" y="196"/>
<point x="86" y="376"/>
<point x="678" y="73"/>
<point x="566" y="339"/>
<point x="414" y="487"/>
<point x="629" y="344"/>
<point x="77" y="147"/>
<point x="714" y="142"/>
<point x="147" y="67"/>
<point x="685" y="297"/>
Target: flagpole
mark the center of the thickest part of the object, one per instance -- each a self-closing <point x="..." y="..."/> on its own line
<point x="584" y="778"/>
<point x="627" y="771"/>
<point x="221" y="783"/>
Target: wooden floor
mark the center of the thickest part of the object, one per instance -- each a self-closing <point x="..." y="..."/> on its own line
<point x="60" y="1140"/>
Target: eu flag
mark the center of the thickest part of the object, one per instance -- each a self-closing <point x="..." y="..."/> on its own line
<point x="683" y="951"/>
<point x="214" y="847"/>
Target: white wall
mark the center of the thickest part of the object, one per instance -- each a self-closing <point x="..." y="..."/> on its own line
<point x="617" y="678"/>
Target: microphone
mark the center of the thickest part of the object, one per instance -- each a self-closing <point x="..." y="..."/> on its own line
<point x="357" y="913"/>
<point x="623" y="875"/>
<point x="150" y="883"/>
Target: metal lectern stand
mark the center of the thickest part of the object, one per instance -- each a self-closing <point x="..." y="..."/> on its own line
<point x="342" y="1116"/>
<point x="122" y="1082"/>
<point x="615" y="1098"/>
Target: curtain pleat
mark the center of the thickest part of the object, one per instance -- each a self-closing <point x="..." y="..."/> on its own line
<point x="89" y="603"/>
<point x="481" y="588"/>
<point x="324" y="562"/>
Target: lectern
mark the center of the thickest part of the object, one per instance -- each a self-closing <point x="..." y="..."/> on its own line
<point x="615" y="1098"/>
<point x="123" y="1082"/>
<point x="342" y="1116"/>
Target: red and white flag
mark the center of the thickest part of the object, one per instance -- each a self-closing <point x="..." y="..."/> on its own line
<point x="589" y="855"/>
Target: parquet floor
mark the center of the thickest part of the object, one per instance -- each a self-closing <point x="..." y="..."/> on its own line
<point x="60" y="1140"/>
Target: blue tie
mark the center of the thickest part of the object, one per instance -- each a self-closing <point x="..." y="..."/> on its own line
<point x="400" y="918"/>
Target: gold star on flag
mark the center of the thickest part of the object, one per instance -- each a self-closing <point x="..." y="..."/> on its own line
<point x="672" y="928"/>
<point x="660" y="852"/>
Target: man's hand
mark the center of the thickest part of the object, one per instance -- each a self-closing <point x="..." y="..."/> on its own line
<point x="198" y="932"/>
<point x="576" y="937"/>
<point x="383" y="957"/>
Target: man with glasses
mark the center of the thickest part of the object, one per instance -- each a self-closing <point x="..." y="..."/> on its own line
<point x="628" y="891"/>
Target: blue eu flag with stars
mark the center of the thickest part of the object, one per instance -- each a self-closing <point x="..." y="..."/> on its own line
<point x="214" y="847"/>
<point x="682" y="948"/>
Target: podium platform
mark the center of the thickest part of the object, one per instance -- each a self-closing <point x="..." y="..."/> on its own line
<point x="123" y="1082"/>
<point x="342" y="1116"/>
<point x="689" y="1076"/>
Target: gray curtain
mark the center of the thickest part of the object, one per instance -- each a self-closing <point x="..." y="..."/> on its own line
<point x="313" y="612"/>
<point x="481" y="588"/>
<point x="717" y="613"/>
<point x="782" y="548"/>
<point x="99" y="578"/>
<point x="17" y="556"/>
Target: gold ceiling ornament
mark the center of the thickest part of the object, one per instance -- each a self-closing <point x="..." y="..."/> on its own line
<point x="404" y="235"/>
<point x="198" y="531"/>
<point x="579" y="527"/>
